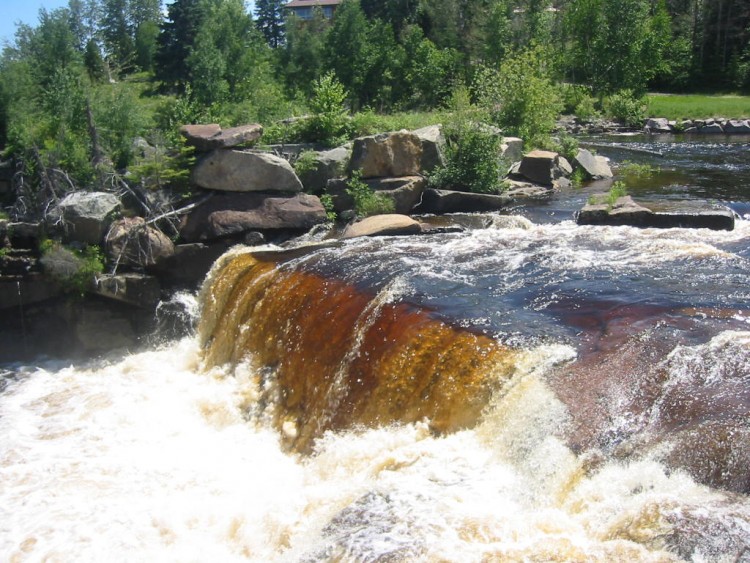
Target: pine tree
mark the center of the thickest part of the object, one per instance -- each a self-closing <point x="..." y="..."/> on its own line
<point x="269" y="17"/>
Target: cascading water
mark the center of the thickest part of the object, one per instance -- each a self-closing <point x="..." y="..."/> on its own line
<point x="529" y="391"/>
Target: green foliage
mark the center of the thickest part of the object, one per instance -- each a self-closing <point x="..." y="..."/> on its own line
<point x="306" y="162"/>
<point x="626" y="107"/>
<point x="566" y="145"/>
<point x="617" y="191"/>
<point x="521" y="97"/>
<point x="636" y="170"/>
<point x="159" y="168"/>
<point x="472" y="159"/>
<point x="366" y="201"/>
<point x="327" y="201"/>
<point x="269" y="17"/>
<point x="329" y="123"/>
<point x="74" y="269"/>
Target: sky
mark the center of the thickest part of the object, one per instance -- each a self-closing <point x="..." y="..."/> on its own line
<point x="26" y="11"/>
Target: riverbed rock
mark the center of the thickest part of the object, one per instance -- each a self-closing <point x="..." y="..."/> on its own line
<point x="234" y="214"/>
<point x="541" y="167"/>
<point x="135" y="289"/>
<point x="511" y="149"/>
<point x="433" y="144"/>
<point x="87" y="215"/>
<point x="688" y="214"/>
<point x="30" y="288"/>
<point x="594" y="167"/>
<point x="657" y="125"/>
<point x="131" y="242"/>
<point x="245" y="171"/>
<point x="383" y="225"/>
<point x="711" y="129"/>
<point x="448" y="201"/>
<point x="326" y="165"/>
<point x="736" y="126"/>
<point x="405" y="192"/>
<point x="206" y="138"/>
<point x="188" y="266"/>
<point x="388" y="155"/>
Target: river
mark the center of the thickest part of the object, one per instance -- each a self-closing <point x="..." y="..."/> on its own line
<point x="531" y="390"/>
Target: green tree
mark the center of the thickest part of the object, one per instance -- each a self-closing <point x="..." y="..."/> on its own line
<point x="269" y="17"/>
<point x="176" y="40"/>
<point x="117" y="32"/>
<point x="302" y="55"/>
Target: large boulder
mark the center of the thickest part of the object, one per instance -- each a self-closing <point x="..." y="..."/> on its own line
<point x="131" y="242"/>
<point x="447" y="201"/>
<point x="541" y="167"/>
<point x="594" y="167"/>
<point x="711" y="129"/>
<point x="325" y="165"/>
<point x="404" y="192"/>
<point x="188" y="267"/>
<point x="658" y="125"/>
<point x="87" y="215"/>
<point x="383" y="225"/>
<point x="736" y="126"/>
<point x="135" y="289"/>
<point x="511" y="149"/>
<point x="688" y="214"/>
<point x="206" y="138"/>
<point x="388" y="155"/>
<point x="433" y="143"/>
<point x="234" y="214"/>
<point x="245" y="171"/>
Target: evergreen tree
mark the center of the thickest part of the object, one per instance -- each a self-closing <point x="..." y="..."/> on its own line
<point x="176" y="40"/>
<point x="269" y="17"/>
<point x="302" y="55"/>
<point x="117" y="32"/>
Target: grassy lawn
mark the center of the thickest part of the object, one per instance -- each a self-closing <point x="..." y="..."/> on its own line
<point x="694" y="106"/>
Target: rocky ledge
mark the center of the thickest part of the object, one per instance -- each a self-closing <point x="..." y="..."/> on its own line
<point x="686" y="214"/>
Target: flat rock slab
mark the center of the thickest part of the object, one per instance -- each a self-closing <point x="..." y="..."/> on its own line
<point x="448" y="201"/>
<point x="689" y="214"/>
<point x="245" y="171"/>
<point x="233" y="214"/>
<point x="383" y="225"/>
<point x="206" y="138"/>
<point x="594" y="167"/>
<point x="388" y="155"/>
<point x="135" y="289"/>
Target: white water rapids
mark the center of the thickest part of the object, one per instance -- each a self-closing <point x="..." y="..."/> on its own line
<point x="152" y="459"/>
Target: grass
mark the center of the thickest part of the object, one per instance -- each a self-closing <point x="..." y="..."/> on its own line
<point x="697" y="106"/>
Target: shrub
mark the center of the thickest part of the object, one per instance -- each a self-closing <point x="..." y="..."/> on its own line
<point x="521" y="97"/>
<point x="327" y="201"/>
<point x="626" y="107"/>
<point x="472" y="160"/>
<point x="329" y="123"/>
<point x="617" y="191"/>
<point x="366" y="201"/>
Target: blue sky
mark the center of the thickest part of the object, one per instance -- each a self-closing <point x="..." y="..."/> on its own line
<point x="26" y="11"/>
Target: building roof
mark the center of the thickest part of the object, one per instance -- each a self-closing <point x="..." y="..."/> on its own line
<point x="311" y="3"/>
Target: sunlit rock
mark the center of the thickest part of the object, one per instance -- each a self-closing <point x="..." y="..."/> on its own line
<point x="87" y="215"/>
<point x="594" y="167"/>
<point x="388" y="155"/>
<point x="448" y="201"/>
<point x="133" y="242"/>
<point x="234" y="214"/>
<point x="206" y="138"/>
<point x="382" y="225"/>
<point x="244" y="171"/>
<point x="404" y="192"/>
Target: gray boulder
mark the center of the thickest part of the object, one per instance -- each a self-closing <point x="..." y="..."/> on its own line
<point x="711" y="129"/>
<point x="131" y="242"/>
<point x="135" y="289"/>
<point x="388" y="155"/>
<point x="87" y="215"/>
<point x="658" y="125"/>
<point x="541" y="167"/>
<point x="404" y="192"/>
<point x="245" y="171"/>
<point x="448" y="201"/>
<point x="383" y="225"/>
<point x="433" y="144"/>
<point x="511" y="149"/>
<point x="206" y="138"/>
<point x="736" y="126"/>
<point x="594" y="167"/>
<point x="235" y="214"/>
<point x="327" y="165"/>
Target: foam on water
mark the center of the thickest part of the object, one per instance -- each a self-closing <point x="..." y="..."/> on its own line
<point x="151" y="459"/>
